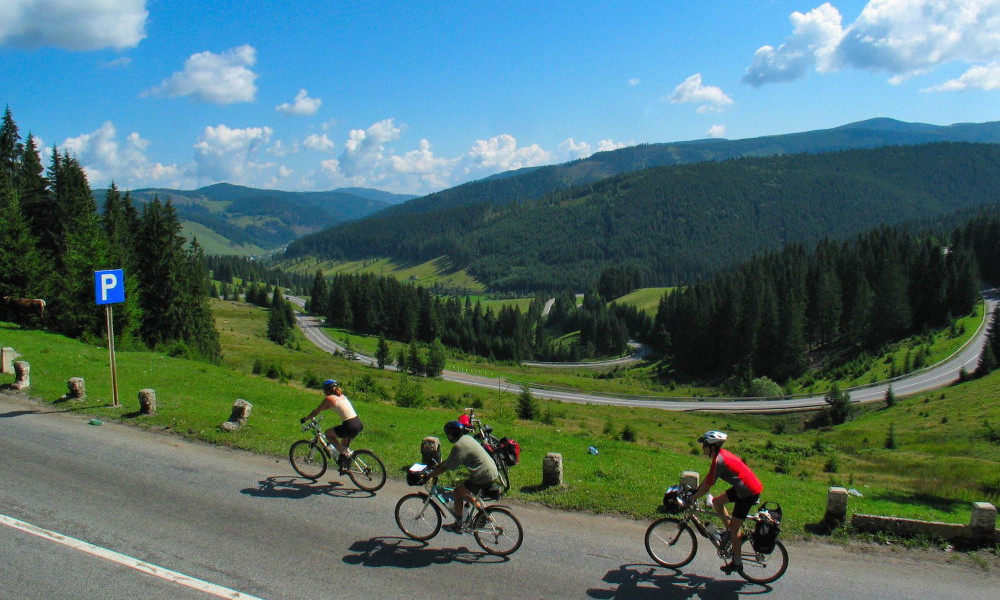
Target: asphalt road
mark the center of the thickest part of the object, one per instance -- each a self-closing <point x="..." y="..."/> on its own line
<point x="183" y="517"/>
<point x="931" y="378"/>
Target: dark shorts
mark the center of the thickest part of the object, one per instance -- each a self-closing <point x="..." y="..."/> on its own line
<point x="741" y="506"/>
<point x="475" y="487"/>
<point x="349" y="428"/>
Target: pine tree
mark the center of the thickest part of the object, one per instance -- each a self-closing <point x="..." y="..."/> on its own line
<point x="382" y="351"/>
<point x="319" y="296"/>
<point x="11" y="150"/>
<point x="436" y="358"/>
<point x="282" y="319"/>
<point x="20" y="263"/>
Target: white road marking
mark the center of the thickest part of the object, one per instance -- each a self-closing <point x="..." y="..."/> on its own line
<point x="128" y="561"/>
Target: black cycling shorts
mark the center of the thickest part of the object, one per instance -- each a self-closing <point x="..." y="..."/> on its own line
<point x="349" y="428"/>
<point x="741" y="506"/>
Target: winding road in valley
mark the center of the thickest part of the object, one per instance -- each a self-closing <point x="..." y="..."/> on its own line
<point x="934" y="377"/>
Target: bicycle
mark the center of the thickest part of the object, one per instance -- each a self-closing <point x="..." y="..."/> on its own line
<point x="310" y="458"/>
<point x="496" y="529"/>
<point x="671" y="542"/>
<point x="484" y="435"/>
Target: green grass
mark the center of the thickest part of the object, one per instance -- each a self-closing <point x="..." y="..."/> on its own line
<point x="431" y="273"/>
<point x="213" y="243"/>
<point x="945" y="458"/>
<point x="645" y="299"/>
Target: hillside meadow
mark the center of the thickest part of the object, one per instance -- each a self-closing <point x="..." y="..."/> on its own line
<point x="944" y="454"/>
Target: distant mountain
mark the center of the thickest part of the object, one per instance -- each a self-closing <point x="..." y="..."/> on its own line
<point x="525" y="184"/>
<point x="269" y="218"/>
<point x="680" y="223"/>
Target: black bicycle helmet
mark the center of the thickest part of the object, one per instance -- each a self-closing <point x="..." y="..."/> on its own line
<point x="454" y="429"/>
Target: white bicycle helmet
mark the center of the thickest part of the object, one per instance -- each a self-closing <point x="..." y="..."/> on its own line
<point x="713" y="438"/>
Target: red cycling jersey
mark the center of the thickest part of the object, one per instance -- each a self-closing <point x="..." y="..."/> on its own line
<point x="731" y="469"/>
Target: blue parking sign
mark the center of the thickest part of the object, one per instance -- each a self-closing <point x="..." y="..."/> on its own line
<point x="109" y="286"/>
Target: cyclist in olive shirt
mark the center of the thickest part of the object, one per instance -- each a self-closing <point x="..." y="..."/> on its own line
<point x="467" y="453"/>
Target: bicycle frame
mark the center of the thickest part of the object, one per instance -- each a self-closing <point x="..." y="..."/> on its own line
<point x="672" y="542"/>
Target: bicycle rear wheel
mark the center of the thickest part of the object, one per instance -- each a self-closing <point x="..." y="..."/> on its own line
<point x="366" y="470"/>
<point x="671" y="542"/>
<point x="308" y="459"/>
<point x="503" y="478"/>
<point x="418" y="517"/>
<point x="763" y="568"/>
<point x="498" y="531"/>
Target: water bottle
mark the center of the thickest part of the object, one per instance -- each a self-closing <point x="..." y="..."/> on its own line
<point x="713" y="532"/>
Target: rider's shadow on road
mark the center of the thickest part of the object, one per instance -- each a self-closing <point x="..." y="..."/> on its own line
<point x="289" y="487"/>
<point x="411" y="554"/>
<point x="636" y="582"/>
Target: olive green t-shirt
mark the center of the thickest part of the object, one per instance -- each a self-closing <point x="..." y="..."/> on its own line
<point x="469" y="454"/>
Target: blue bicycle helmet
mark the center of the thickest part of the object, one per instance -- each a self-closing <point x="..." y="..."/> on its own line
<point x="454" y="429"/>
<point x="329" y="384"/>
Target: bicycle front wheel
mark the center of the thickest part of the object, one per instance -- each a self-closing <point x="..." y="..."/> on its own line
<point x="671" y="542"/>
<point x="763" y="568"/>
<point x="418" y="517"/>
<point x="498" y="531"/>
<point x="308" y="459"/>
<point x="366" y="470"/>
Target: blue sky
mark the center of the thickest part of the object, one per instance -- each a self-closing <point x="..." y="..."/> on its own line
<point x="414" y="97"/>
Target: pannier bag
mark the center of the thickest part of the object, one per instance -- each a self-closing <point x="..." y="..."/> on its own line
<point x="765" y="534"/>
<point x="415" y="474"/>
<point x="511" y="450"/>
<point x="675" y="499"/>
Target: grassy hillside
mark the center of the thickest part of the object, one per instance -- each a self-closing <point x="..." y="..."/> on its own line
<point x="946" y="455"/>
<point x="436" y="272"/>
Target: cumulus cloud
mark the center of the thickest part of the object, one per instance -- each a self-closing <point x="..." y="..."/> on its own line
<point x="813" y="43"/>
<point x="302" y="106"/>
<point x="73" y="25"/>
<point x="709" y="97"/>
<point x="903" y="38"/>
<point x="983" y="77"/>
<point x="105" y="158"/>
<point x="220" y="78"/>
<point x="224" y="154"/>
<point x="573" y="150"/>
<point x="318" y="143"/>
<point x="717" y="131"/>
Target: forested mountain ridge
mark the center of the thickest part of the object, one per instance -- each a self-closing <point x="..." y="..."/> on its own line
<point x="528" y="183"/>
<point x="269" y="218"/>
<point x="677" y="224"/>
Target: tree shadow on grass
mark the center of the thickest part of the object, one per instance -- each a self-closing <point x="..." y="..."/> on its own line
<point x="947" y="505"/>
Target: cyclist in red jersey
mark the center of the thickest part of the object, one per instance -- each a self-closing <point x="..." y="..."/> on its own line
<point x="744" y="493"/>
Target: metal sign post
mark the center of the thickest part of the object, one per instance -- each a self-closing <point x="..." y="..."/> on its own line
<point x="109" y="289"/>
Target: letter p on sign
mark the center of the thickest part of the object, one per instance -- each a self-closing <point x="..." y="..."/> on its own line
<point x="109" y="286"/>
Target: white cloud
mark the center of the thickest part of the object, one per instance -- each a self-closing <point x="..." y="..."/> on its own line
<point x="573" y="150"/>
<point x="813" y="41"/>
<point x="633" y="81"/>
<point x="983" y="77"/>
<point x="220" y="78"/>
<point x="709" y="97"/>
<point x="717" y="131"/>
<point x="302" y="106"/>
<point x="318" y="143"/>
<point x="224" y="154"/>
<point x="105" y="159"/>
<point x="903" y="38"/>
<point x="73" y="24"/>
